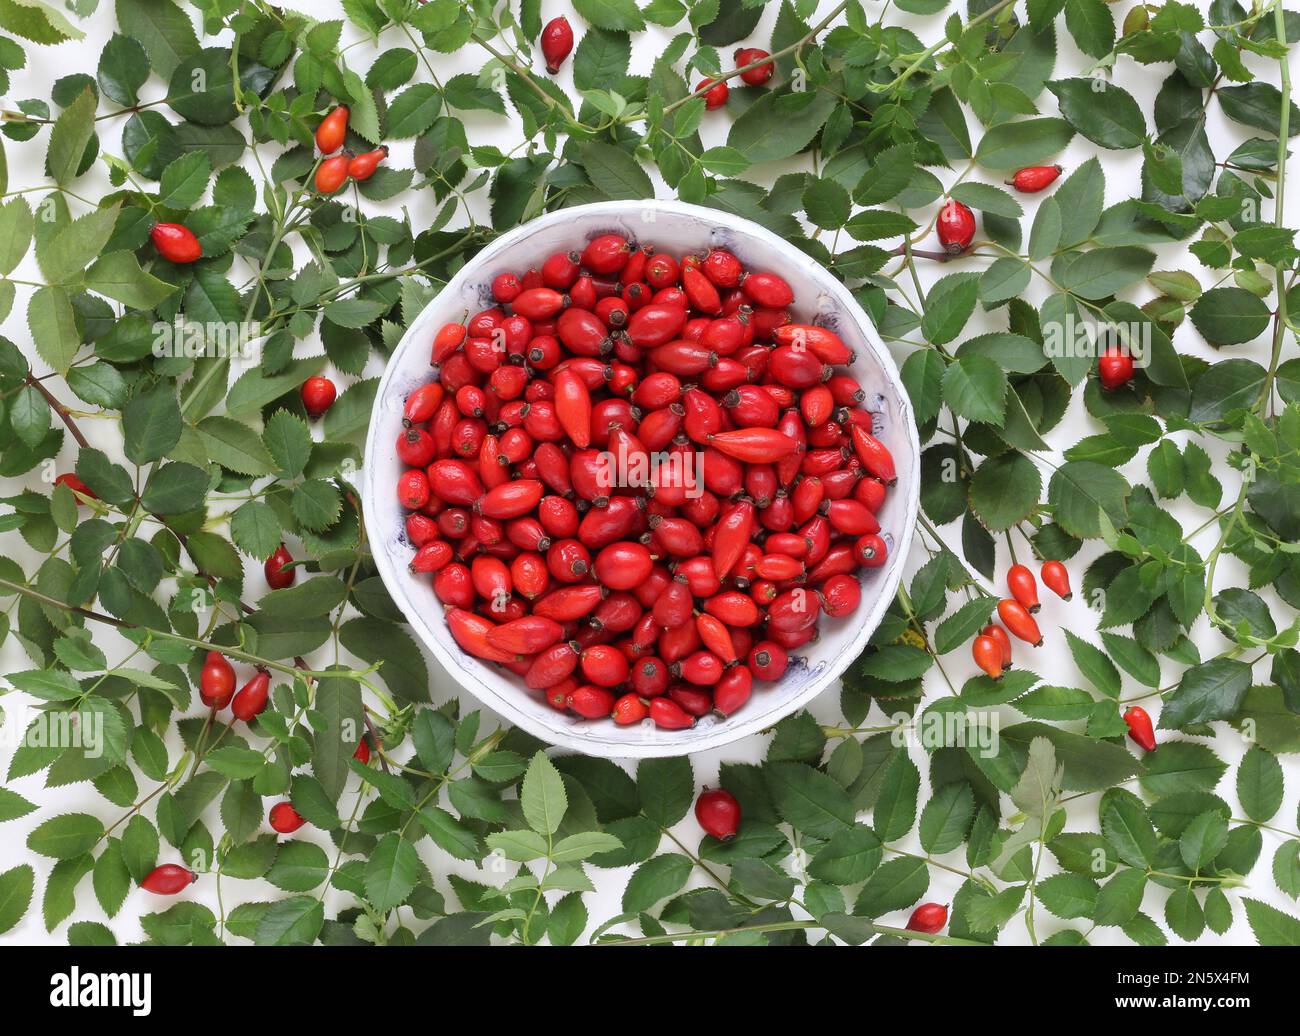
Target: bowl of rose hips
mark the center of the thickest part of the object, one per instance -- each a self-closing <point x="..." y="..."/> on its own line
<point x="642" y="478"/>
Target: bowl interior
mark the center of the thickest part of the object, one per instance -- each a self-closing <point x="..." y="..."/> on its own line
<point x="677" y="228"/>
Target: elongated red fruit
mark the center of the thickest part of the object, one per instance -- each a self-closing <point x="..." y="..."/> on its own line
<point x="332" y="173"/>
<point x="999" y="637"/>
<point x="1016" y="618"/>
<point x="168" y="879"/>
<point x="929" y="918"/>
<point x="988" y="655"/>
<point x="874" y="455"/>
<point x="511" y="499"/>
<point x="1023" y="586"/>
<point x="176" y="243"/>
<point x="363" y="166"/>
<point x="1034" y="178"/>
<point x="557" y="41"/>
<point x="1056" y="578"/>
<point x="470" y="632"/>
<point x="216" y="681"/>
<point x="332" y="131"/>
<point x="1139" y="727"/>
<point x="573" y="407"/>
<point x="754" y="445"/>
<point x="252" y="697"/>
<point x="525" y="636"/>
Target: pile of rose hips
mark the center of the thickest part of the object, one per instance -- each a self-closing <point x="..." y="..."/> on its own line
<point x="661" y="598"/>
<point x="991" y="649"/>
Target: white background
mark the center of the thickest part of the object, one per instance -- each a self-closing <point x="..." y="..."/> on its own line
<point x="1052" y="662"/>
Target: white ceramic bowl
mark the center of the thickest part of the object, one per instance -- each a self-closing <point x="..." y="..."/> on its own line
<point x="677" y="228"/>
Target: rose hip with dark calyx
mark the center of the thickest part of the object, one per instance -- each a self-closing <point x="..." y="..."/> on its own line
<point x="718" y="812"/>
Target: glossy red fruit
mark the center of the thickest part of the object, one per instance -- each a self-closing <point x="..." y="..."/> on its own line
<point x="999" y="636"/>
<point x="332" y="130"/>
<point x="176" y="243"/>
<point x="629" y="709"/>
<point x="715" y="93"/>
<point x="987" y="653"/>
<point x="413" y="489"/>
<point x="1016" y="618"/>
<point x="1115" y="368"/>
<point x="252" y="697"/>
<point x="363" y="166"/>
<point x="168" y="879"/>
<point x="871" y="551"/>
<point x="1023" y="586"/>
<point x="758" y="75"/>
<point x="929" y="918"/>
<point x="506" y="287"/>
<point x="768" y="660"/>
<point x="591" y="702"/>
<point x="874" y="455"/>
<point x="768" y="289"/>
<point x="332" y="173"/>
<point x="1034" y="178"/>
<point x="318" y="395"/>
<point x="667" y="714"/>
<point x="733" y="690"/>
<point x="284" y="818"/>
<point x="1140" y="728"/>
<point x="754" y="445"/>
<point x="216" y="681"/>
<point x="718" y="813"/>
<point x="623" y="566"/>
<point x="277" y="569"/>
<point x="362" y="754"/>
<point x="1056" y="578"/>
<point x="956" y="226"/>
<point x="557" y="41"/>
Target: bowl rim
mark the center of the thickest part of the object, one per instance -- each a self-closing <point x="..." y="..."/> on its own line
<point x="732" y="729"/>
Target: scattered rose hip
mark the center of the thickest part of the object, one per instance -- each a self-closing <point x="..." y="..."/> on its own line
<point x="956" y="226"/>
<point x="168" y="879"/>
<point x="1114" y="368"/>
<point x="1034" y="178"/>
<point x="284" y="818"/>
<point x="176" y="243"/>
<point x="279" y="570"/>
<point x="1139" y="727"/>
<point x="549" y="481"/>
<point x="557" y="41"/>
<point x="332" y="130"/>
<point x="718" y="813"/>
<point x="715" y="91"/>
<point x="929" y="918"/>
<point x="318" y="395"/>
<point x="759" y="75"/>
